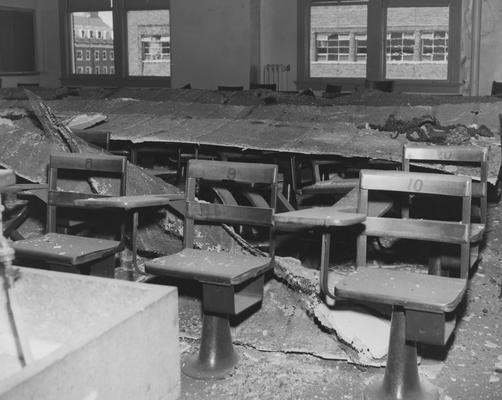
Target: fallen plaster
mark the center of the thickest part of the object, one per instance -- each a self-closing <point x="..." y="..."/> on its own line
<point x="366" y="333"/>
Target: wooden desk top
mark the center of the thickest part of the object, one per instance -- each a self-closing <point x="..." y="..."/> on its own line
<point x="21" y="187"/>
<point x="319" y="216"/>
<point x="130" y="202"/>
<point x="407" y="289"/>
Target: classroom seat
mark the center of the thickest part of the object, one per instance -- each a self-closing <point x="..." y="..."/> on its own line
<point x="72" y="253"/>
<point x="423" y="311"/>
<point x="424" y="306"/>
<point x="231" y="283"/>
<point x="382" y="86"/>
<point x="268" y="86"/>
<point x="230" y="88"/>
<point x="101" y="139"/>
<point x="455" y="158"/>
<point x="456" y="232"/>
<point x="496" y="89"/>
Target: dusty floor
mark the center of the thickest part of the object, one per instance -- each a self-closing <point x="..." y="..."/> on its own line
<point x="470" y="368"/>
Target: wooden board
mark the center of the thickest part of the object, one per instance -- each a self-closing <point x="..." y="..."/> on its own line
<point x="318" y="216"/>
<point x="212" y="267"/>
<point x="407" y="289"/>
<point x="129" y="202"/>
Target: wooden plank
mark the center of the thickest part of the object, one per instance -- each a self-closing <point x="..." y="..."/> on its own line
<point x="21" y="187"/>
<point x="318" y="216"/>
<point x="67" y="199"/>
<point x="98" y="138"/>
<point x="88" y="162"/>
<point x="232" y="171"/>
<point x="437" y="231"/>
<point x="446" y="154"/>
<point x="410" y="290"/>
<point x="65" y="249"/>
<point x="330" y="186"/>
<point x="378" y="204"/>
<point x="129" y="202"/>
<point x="230" y="214"/>
<point x="210" y="267"/>
<point x="415" y="182"/>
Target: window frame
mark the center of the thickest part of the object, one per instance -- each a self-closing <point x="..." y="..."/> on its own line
<point x="376" y="47"/>
<point x="118" y="74"/>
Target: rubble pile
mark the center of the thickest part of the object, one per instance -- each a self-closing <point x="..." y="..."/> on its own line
<point x="428" y="129"/>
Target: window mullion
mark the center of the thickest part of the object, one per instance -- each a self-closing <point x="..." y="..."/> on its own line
<point x="120" y="33"/>
<point x="376" y="41"/>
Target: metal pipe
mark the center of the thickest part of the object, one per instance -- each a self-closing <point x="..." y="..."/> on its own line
<point x="475" y="46"/>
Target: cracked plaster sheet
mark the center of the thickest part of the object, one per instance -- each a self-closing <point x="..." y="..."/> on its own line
<point x="279" y="325"/>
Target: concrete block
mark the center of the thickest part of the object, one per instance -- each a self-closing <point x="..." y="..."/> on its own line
<point x="94" y="338"/>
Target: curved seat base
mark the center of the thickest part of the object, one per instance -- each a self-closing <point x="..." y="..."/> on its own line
<point x="376" y="390"/>
<point x="217" y="356"/>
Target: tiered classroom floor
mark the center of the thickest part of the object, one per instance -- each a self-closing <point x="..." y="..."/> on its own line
<point x="469" y="370"/>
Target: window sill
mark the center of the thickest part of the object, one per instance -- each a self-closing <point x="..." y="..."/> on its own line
<point x="400" y="85"/>
<point x="21" y="73"/>
<point x="110" y="81"/>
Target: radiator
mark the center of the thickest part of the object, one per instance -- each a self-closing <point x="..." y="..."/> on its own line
<point x="277" y="74"/>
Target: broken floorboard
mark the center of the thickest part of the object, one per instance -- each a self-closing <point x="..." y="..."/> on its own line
<point x="310" y="130"/>
<point x="25" y="149"/>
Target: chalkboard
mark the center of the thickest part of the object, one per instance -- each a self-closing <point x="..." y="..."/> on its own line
<point x="17" y="41"/>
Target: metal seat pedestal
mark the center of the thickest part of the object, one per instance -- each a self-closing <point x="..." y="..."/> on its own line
<point x="216" y="354"/>
<point x="401" y="379"/>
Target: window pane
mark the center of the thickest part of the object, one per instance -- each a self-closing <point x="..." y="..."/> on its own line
<point x="345" y="28"/>
<point x="92" y="36"/>
<point x="417" y="43"/>
<point x="149" y="43"/>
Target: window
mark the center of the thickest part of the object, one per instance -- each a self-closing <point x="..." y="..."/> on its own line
<point x="420" y="51"/>
<point x="154" y="48"/>
<point x="149" y="45"/>
<point x="96" y="70"/>
<point x="361" y="50"/>
<point x="334" y="47"/>
<point x="338" y="40"/>
<point x="94" y="23"/>
<point x="411" y="41"/>
<point x="400" y="46"/>
<point x="144" y="42"/>
<point x="80" y="70"/>
<point x="17" y="40"/>
<point x="82" y="33"/>
<point x="79" y="55"/>
<point x="88" y="70"/>
<point x="434" y="46"/>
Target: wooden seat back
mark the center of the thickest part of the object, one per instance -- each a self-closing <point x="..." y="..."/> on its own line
<point x="496" y="89"/>
<point x="236" y="177"/>
<point x="476" y="157"/>
<point x="417" y="229"/>
<point x="100" y="139"/>
<point x="88" y="166"/>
